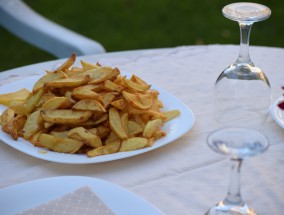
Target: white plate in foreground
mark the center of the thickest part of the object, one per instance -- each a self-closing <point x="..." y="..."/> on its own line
<point x="21" y="197"/>
<point x="276" y="113"/>
<point x="174" y="129"/>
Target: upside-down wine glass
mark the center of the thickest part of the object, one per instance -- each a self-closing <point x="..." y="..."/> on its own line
<point x="242" y="100"/>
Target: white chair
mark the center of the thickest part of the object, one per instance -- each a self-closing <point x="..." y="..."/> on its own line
<point x="22" y="21"/>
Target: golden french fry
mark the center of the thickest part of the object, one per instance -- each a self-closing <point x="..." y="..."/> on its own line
<point x="89" y="104"/>
<point x="113" y="147"/>
<point x="28" y="106"/>
<point x="134" y="128"/>
<point x="65" y="116"/>
<point x="136" y="86"/>
<point x="6" y="116"/>
<point x="101" y="74"/>
<point x="68" y="82"/>
<point x="9" y="99"/>
<point x="88" y="66"/>
<point x="84" y="135"/>
<point x="56" y="102"/>
<point x="68" y="63"/>
<point x="14" y="126"/>
<point x="138" y="100"/>
<point x="171" y="114"/>
<point x="152" y="127"/>
<point x="50" y="76"/>
<point x="116" y="124"/>
<point x="58" y="144"/>
<point x="33" y="124"/>
<point x="133" y="143"/>
<point x="84" y="93"/>
<point x="108" y="98"/>
<point x="119" y="104"/>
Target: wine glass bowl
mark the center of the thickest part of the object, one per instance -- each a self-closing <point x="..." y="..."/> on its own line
<point x="242" y="100"/>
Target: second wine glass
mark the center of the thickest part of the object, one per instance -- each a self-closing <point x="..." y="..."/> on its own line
<point x="242" y="99"/>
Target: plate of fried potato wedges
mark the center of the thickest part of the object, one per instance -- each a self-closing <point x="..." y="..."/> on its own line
<point x="89" y="114"/>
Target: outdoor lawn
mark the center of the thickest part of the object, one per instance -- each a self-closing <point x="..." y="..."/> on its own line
<point x="133" y="24"/>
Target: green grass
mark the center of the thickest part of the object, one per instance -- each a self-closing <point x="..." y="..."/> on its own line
<point x="133" y="24"/>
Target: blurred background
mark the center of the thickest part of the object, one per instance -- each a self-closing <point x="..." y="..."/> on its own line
<point x="132" y="24"/>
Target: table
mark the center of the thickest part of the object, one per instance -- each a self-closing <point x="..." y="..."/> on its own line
<point x="184" y="177"/>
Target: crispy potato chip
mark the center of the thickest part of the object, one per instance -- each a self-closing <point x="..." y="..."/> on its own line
<point x="58" y="144"/>
<point x="133" y="143"/>
<point x="20" y="95"/>
<point x="65" y="116"/>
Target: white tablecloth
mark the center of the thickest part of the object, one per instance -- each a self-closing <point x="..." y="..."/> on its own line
<point x="184" y="177"/>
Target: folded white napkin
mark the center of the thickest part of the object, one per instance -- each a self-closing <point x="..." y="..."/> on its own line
<point x="82" y="201"/>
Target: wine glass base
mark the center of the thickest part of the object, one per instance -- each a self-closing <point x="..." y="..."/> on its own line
<point x="222" y="209"/>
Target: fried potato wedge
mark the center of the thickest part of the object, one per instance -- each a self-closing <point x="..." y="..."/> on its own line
<point x="9" y="98"/>
<point x="30" y="103"/>
<point x="111" y="148"/>
<point x="65" y="116"/>
<point x="89" y="104"/>
<point x="152" y="127"/>
<point x="88" y="66"/>
<point x="136" y="85"/>
<point x="138" y="100"/>
<point x="84" y="135"/>
<point x="56" y="103"/>
<point x="33" y="124"/>
<point x="68" y="63"/>
<point x="58" y="144"/>
<point x="83" y="93"/>
<point x="6" y="116"/>
<point x="14" y="126"/>
<point x="101" y="74"/>
<point x="133" y="143"/>
<point x="171" y="114"/>
<point x="68" y="82"/>
<point x="116" y="124"/>
<point x="50" y="76"/>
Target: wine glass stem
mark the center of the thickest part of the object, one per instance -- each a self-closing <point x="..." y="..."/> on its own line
<point x="245" y="28"/>
<point x="234" y="192"/>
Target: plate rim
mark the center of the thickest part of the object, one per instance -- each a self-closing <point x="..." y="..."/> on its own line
<point x="187" y="113"/>
<point x="74" y="182"/>
<point x="275" y="110"/>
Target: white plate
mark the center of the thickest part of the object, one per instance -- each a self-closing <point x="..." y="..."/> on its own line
<point x="21" y="197"/>
<point x="276" y="113"/>
<point x="174" y="128"/>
